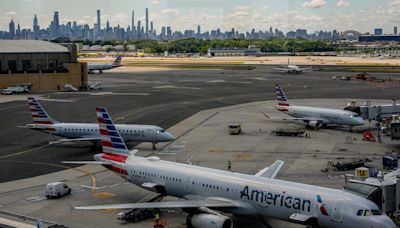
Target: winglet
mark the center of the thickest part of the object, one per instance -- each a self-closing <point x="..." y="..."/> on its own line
<point x="271" y="171"/>
<point x="111" y="140"/>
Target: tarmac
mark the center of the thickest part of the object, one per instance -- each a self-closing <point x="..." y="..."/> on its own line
<point x="196" y="106"/>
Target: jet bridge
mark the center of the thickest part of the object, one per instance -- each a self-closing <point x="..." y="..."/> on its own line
<point x="384" y="190"/>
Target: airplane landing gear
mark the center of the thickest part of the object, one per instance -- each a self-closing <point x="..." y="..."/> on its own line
<point x="100" y="71"/>
<point x="154" y="146"/>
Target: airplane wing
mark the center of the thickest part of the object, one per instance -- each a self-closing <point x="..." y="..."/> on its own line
<point x="302" y="119"/>
<point x="88" y="139"/>
<point x="87" y="162"/>
<point x="209" y="203"/>
<point x="306" y="68"/>
<point x="281" y="69"/>
<point x="271" y="171"/>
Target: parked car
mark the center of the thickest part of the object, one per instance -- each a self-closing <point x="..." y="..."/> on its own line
<point x="6" y="92"/>
<point x="57" y="190"/>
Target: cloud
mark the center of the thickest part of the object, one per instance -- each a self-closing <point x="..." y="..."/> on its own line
<point x="170" y="12"/>
<point x="342" y="3"/>
<point x="11" y="13"/>
<point x="314" y="4"/>
<point x="155" y="2"/>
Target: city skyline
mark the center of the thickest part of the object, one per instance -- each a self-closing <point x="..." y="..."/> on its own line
<point x="313" y="15"/>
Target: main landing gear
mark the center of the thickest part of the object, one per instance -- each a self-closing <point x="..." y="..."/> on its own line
<point x="154" y="146"/>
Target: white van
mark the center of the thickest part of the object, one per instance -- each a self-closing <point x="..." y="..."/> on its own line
<point x="57" y="190"/>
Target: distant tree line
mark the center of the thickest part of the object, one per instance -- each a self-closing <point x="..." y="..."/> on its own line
<point x="192" y="45"/>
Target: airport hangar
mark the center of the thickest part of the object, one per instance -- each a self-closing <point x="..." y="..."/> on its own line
<point x="44" y="65"/>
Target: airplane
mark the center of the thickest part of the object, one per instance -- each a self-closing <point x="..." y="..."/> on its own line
<point x="75" y="132"/>
<point x="290" y="68"/>
<point x="209" y="193"/>
<point x="314" y="116"/>
<point x="104" y="66"/>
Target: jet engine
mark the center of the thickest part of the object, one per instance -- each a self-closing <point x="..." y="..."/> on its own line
<point x="314" y="124"/>
<point x="209" y="221"/>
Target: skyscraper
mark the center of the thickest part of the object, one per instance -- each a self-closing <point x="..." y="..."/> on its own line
<point x="98" y="24"/>
<point x="151" y="28"/>
<point x="395" y="30"/>
<point x="55" y="30"/>
<point x="147" y="22"/>
<point x="11" y="27"/>
<point x="133" y="20"/>
<point x="35" y="24"/>
<point x="198" y="30"/>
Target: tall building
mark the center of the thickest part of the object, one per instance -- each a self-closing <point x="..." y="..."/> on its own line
<point x="133" y="20"/>
<point x="147" y="22"/>
<point x="395" y="30"/>
<point x="11" y="27"/>
<point x="36" y="27"/>
<point x="198" y="30"/>
<point x="139" y="28"/>
<point x="98" y="24"/>
<point x="55" y="28"/>
<point x="378" y="32"/>
<point x="151" y="28"/>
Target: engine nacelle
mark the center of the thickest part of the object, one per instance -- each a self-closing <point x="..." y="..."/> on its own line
<point x="314" y="124"/>
<point x="209" y="221"/>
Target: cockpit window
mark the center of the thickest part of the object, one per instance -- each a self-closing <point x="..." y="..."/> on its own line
<point x="367" y="213"/>
<point x="160" y="131"/>
<point x="356" y="115"/>
<point x="376" y="212"/>
<point x="360" y="212"/>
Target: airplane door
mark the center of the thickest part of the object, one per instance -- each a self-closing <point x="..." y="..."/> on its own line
<point x="188" y="184"/>
<point x="338" y="211"/>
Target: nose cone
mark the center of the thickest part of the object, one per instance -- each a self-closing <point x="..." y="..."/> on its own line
<point x="168" y="136"/>
<point x="360" y="121"/>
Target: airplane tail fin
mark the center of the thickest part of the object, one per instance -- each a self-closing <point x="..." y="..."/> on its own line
<point x="39" y="114"/>
<point x="111" y="140"/>
<point x="283" y="101"/>
<point x="117" y="61"/>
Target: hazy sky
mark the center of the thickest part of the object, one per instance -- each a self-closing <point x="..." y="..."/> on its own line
<point x="361" y="15"/>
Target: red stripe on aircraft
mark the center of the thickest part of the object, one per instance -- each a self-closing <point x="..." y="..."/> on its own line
<point x="103" y="132"/>
<point x="114" y="157"/>
<point x="106" y="143"/>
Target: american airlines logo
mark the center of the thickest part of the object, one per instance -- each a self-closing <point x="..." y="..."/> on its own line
<point x="270" y="198"/>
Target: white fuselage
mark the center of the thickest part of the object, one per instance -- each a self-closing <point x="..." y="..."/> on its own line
<point x="99" y="66"/>
<point x="129" y="132"/>
<point x="253" y="195"/>
<point x="325" y="115"/>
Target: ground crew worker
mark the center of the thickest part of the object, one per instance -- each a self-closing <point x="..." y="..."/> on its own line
<point x="157" y="217"/>
<point x="229" y="165"/>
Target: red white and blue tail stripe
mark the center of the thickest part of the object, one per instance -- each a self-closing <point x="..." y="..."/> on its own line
<point x="39" y="115"/>
<point x="281" y="97"/>
<point x="111" y="140"/>
<point x="117" y="62"/>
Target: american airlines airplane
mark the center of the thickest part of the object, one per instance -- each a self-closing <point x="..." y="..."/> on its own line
<point x="290" y="68"/>
<point x="104" y="66"/>
<point x="71" y="132"/>
<point x="314" y="116"/>
<point x="208" y="193"/>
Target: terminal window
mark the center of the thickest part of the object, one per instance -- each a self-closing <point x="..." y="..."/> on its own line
<point x="12" y="65"/>
<point x="26" y="64"/>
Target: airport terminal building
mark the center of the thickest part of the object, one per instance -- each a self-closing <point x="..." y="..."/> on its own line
<point x="44" y="65"/>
